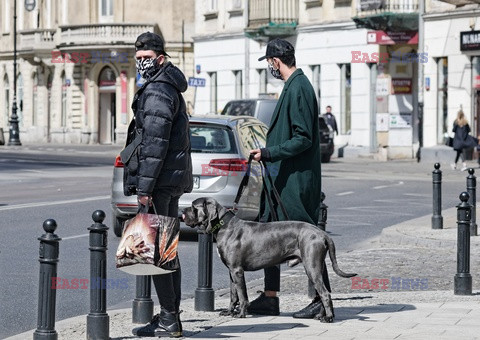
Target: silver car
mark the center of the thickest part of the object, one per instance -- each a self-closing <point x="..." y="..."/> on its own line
<point x="220" y="149"/>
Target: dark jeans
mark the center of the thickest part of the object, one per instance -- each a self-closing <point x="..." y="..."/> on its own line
<point x="168" y="286"/>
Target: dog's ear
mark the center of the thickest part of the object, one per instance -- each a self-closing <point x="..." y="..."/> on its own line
<point x="212" y="212"/>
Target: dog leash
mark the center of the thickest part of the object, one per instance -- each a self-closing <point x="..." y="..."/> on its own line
<point x="244" y="184"/>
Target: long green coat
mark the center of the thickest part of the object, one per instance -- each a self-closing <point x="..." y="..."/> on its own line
<point x="294" y="145"/>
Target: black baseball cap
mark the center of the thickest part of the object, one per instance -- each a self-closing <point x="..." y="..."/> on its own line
<point x="150" y="41"/>
<point x="278" y="48"/>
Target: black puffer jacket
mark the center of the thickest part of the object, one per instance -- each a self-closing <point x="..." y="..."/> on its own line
<point x="160" y="113"/>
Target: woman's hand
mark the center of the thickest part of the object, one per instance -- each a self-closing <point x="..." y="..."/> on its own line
<point x="145" y="200"/>
<point x="257" y="154"/>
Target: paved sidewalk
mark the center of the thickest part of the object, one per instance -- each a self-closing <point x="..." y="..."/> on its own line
<point x="407" y="251"/>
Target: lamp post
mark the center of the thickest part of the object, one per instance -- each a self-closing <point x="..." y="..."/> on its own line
<point x="14" y="138"/>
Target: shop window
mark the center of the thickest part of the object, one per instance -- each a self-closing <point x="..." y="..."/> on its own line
<point x="35" y="100"/>
<point x="316" y="83"/>
<point x="262" y="81"/>
<point x="345" y="99"/>
<point x="64" y="101"/>
<point x="20" y="99"/>
<point x="6" y="88"/>
<point x="213" y="92"/>
<point x="238" y="84"/>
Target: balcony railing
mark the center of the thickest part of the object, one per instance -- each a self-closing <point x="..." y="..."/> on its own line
<point x="268" y="12"/>
<point x="373" y="7"/>
<point x="36" y="40"/>
<point x="102" y="34"/>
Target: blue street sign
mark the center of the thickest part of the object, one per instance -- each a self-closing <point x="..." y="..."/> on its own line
<point x="196" y="81"/>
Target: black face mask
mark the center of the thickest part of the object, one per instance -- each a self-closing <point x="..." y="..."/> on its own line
<point x="275" y="72"/>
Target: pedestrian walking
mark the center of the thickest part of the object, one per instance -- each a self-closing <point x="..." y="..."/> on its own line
<point x="462" y="139"/>
<point x="330" y="119"/>
<point x="164" y="170"/>
<point x="292" y="147"/>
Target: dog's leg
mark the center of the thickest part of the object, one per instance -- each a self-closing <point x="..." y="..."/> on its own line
<point x="313" y="268"/>
<point x="238" y="277"/>
<point x="233" y="299"/>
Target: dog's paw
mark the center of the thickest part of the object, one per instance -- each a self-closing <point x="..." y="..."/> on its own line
<point x="239" y="315"/>
<point x="227" y="312"/>
<point x="324" y="319"/>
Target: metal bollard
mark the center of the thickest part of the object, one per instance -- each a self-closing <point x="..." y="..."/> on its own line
<point x="204" y="294"/>
<point x="47" y="293"/>
<point x="142" y="311"/>
<point x="463" y="279"/>
<point x="437" y="219"/>
<point x="98" y="320"/>
<point x="322" y="223"/>
<point x="472" y="191"/>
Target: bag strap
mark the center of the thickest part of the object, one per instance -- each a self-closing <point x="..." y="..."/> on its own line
<point x="244" y="182"/>
<point x="275" y="193"/>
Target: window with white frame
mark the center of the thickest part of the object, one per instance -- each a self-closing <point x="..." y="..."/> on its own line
<point x="212" y="5"/>
<point x="442" y="98"/>
<point x="213" y="91"/>
<point x="6" y="16"/>
<point x="65" y="12"/>
<point x="105" y="11"/>
<point x="262" y="81"/>
<point x="48" y="14"/>
<point x="238" y="84"/>
<point x="316" y="83"/>
<point x="20" y="14"/>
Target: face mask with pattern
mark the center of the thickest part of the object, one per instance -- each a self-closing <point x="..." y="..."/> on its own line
<point x="147" y="67"/>
<point x="275" y="72"/>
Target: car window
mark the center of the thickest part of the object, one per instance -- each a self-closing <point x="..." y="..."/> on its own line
<point x="239" y="108"/>
<point x="251" y="137"/>
<point x="211" y="139"/>
<point x="265" y="111"/>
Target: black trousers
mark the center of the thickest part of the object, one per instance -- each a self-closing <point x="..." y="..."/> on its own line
<point x="168" y="286"/>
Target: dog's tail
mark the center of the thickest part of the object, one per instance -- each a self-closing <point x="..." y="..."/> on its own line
<point x="333" y="257"/>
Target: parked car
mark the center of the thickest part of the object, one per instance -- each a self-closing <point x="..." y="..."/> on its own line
<point x="220" y="149"/>
<point x="262" y="109"/>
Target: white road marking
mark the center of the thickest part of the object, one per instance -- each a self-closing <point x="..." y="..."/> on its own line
<point x="345" y="193"/>
<point x="43" y="204"/>
<point x="387" y="186"/>
<point x="76" y="236"/>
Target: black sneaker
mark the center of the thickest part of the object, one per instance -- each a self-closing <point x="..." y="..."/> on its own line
<point x="315" y="307"/>
<point x="161" y="324"/>
<point x="264" y="305"/>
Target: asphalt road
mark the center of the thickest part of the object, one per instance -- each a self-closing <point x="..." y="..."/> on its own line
<point x="68" y="184"/>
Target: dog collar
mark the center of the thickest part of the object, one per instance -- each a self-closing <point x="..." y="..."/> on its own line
<point x="222" y="221"/>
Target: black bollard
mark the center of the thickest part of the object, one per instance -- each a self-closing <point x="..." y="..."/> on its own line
<point x="204" y="294"/>
<point x="47" y="293"/>
<point x="463" y="279"/>
<point x="472" y="192"/>
<point x="322" y="223"/>
<point x="142" y="311"/>
<point x="437" y="219"/>
<point x="98" y="320"/>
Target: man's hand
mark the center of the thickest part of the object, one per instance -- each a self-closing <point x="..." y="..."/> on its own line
<point x="257" y="154"/>
<point x="144" y="200"/>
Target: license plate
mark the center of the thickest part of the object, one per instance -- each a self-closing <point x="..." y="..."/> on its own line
<point x="196" y="182"/>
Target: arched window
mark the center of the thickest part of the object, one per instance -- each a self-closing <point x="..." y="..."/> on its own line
<point x="20" y="99"/>
<point x="106" y="80"/>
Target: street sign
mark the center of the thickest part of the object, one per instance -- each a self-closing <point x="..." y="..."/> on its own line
<point x="196" y="82"/>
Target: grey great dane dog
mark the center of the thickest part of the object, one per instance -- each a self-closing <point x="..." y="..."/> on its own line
<point x="249" y="246"/>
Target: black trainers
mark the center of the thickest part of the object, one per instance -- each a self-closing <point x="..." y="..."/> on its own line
<point x="314" y="308"/>
<point x="161" y="324"/>
<point x="264" y="305"/>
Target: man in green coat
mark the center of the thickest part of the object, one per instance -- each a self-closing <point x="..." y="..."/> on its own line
<point x="292" y="148"/>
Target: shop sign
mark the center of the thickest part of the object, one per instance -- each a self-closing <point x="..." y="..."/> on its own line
<point x="470" y="41"/>
<point x="401" y="86"/>
<point x="383" y="86"/>
<point x="392" y="38"/>
<point x="402" y="120"/>
<point x="476" y="82"/>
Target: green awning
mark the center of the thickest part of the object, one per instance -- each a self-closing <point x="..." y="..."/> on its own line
<point x="389" y="21"/>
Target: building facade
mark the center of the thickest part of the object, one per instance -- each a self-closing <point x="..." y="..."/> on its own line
<point x="452" y="74"/>
<point x="76" y="74"/>
<point x="360" y="56"/>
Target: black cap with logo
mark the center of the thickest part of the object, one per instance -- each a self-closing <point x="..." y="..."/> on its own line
<point x="278" y="48"/>
<point x="150" y="41"/>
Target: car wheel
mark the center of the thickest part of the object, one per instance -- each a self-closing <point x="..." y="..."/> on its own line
<point x="326" y="158"/>
<point x="118" y="225"/>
